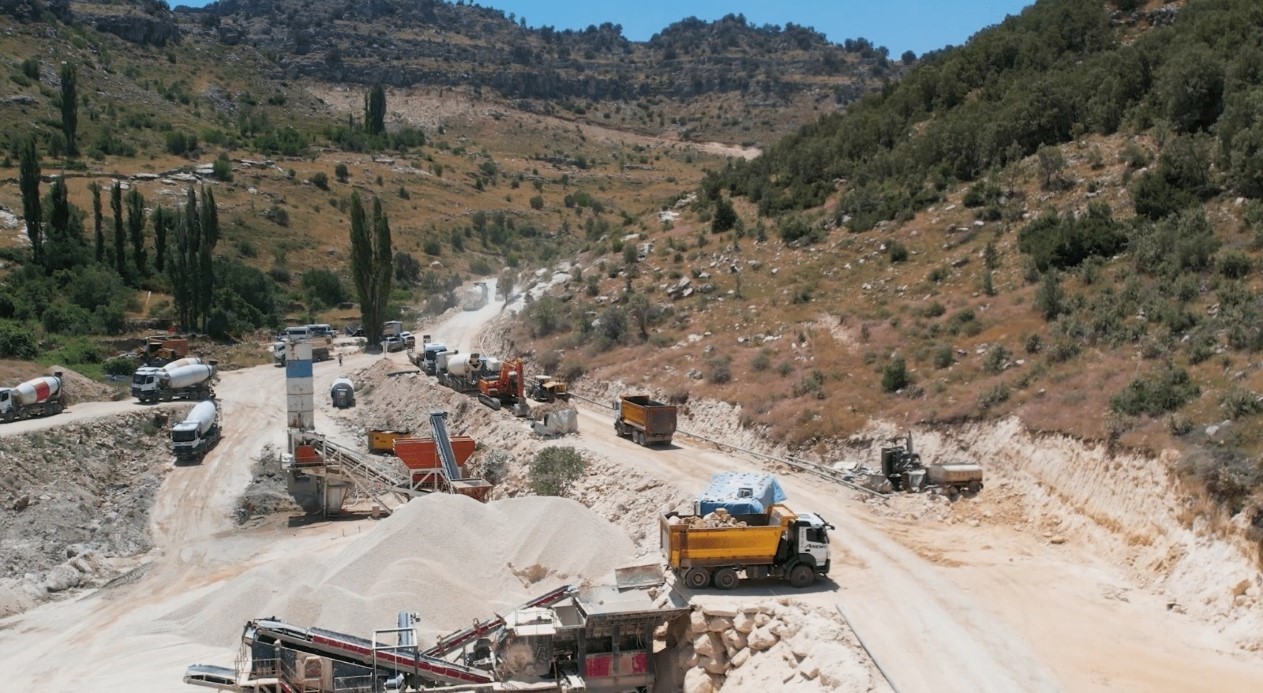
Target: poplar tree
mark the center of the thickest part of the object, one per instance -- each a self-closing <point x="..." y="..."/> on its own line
<point x="120" y="240"/>
<point x="70" y="107"/>
<point x="98" y="233"/>
<point x="208" y="218"/>
<point x="162" y="222"/>
<point x="375" y="110"/>
<point x="371" y="264"/>
<point x="29" y="182"/>
<point x="136" y="229"/>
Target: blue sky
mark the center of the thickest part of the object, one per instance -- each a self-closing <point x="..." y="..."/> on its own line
<point x="919" y="25"/>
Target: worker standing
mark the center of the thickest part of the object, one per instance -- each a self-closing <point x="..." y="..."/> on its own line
<point x="339" y="360"/>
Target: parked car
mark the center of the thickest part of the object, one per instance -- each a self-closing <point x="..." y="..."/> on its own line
<point x="408" y="340"/>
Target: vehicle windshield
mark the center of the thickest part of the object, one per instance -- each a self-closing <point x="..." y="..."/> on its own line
<point x="139" y="379"/>
<point x="183" y="436"/>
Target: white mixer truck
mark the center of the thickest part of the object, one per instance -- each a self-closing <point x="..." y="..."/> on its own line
<point x="188" y="381"/>
<point x="36" y="397"/>
<point x="342" y="393"/>
<point x="463" y="372"/>
<point x="193" y="437"/>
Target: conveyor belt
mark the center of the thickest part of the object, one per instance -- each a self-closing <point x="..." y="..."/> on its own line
<point x="350" y="648"/>
<point x="450" y="643"/>
<point x="438" y="421"/>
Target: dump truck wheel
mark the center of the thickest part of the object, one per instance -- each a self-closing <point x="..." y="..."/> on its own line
<point x="975" y="487"/>
<point x="697" y="578"/>
<point x="726" y="578"/>
<point x="639" y="438"/>
<point x="802" y="576"/>
<point x="952" y="493"/>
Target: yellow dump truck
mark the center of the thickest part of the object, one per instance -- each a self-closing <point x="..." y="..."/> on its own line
<point x="779" y="544"/>
<point x="382" y="441"/>
<point x="643" y="420"/>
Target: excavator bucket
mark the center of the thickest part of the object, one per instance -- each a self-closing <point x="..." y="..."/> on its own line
<point x="521" y="409"/>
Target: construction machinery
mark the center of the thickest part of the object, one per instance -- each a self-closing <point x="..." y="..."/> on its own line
<point x="545" y="388"/>
<point x="381" y="441"/>
<point x="425" y="360"/>
<point x="36" y="397"/>
<point x="462" y="372"/>
<point x="643" y="420"/>
<point x="741" y="529"/>
<point x="596" y="639"/>
<point x="174" y="381"/>
<point x="437" y="463"/>
<point x="193" y="437"/>
<point x="505" y="388"/>
<point x="160" y="349"/>
<point x="903" y="470"/>
<point x="318" y="353"/>
<point x="342" y="393"/>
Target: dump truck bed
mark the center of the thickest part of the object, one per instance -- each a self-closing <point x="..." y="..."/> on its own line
<point x="955" y="473"/>
<point x="755" y="544"/>
<point x="656" y="419"/>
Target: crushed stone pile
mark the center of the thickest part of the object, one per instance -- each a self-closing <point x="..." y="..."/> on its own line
<point x="768" y="645"/>
<point x="267" y="493"/>
<point x="447" y="557"/>
<point x="66" y="521"/>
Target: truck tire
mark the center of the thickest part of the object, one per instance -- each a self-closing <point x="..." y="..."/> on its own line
<point x="802" y="575"/>
<point x="726" y="578"/>
<point x="975" y="487"/>
<point x="618" y="429"/>
<point x="697" y="578"/>
<point x="638" y="437"/>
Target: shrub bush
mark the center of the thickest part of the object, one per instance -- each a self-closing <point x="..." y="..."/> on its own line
<point x="554" y="469"/>
<point x="320" y="180"/>
<point x="1164" y="390"/>
<point x="894" y="376"/>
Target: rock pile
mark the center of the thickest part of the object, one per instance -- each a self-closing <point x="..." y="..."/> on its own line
<point x="715" y="520"/>
<point x="75" y="502"/>
<point x="778" y="645"/>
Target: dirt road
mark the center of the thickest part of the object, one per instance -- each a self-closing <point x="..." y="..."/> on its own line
<point x="966" y="609"/>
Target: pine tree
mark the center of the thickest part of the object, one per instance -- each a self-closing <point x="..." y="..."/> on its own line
<point x="98" y="234"/>
<point x="136" y="229"/>
<point x="70" y="107"/>
<point x="29" y="182"/>
<point x="120" y="240"/>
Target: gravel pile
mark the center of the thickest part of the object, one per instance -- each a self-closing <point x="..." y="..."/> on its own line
<point x="447" y="557"/>
<point x="80" y="388"/>
<point x="72" y="501"/>
<point x="267" y="493"/>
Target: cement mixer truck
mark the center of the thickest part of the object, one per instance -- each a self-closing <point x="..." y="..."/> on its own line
<point x="193" y="437"/>
<point x="191" y="381"/>
<point x="342" y="393"/>
<point x="463" y="372"/>
<point x="36" y="397"/>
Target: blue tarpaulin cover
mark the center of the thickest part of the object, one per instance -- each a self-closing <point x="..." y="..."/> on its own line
<point x="740" y="493"/>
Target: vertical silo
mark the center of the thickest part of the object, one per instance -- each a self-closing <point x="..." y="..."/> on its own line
<point x="300" y="390"/>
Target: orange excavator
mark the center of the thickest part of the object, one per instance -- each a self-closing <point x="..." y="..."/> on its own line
<point x="505" y="388"/>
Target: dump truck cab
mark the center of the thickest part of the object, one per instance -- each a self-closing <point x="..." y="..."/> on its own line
<point x="430" y="356"/>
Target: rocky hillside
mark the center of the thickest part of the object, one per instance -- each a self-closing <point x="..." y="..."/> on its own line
<point x="1063" y="225"/>
<point x="483" y="51"/>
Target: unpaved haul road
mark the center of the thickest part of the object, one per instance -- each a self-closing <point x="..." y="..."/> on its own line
<point x="968" y="609"/>
<point x="83" y="411"/>
<point x="120" y="637"/>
